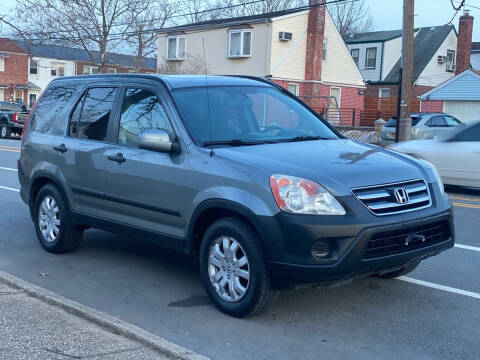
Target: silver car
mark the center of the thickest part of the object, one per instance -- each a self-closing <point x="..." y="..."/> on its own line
<point x="424" y="126"/>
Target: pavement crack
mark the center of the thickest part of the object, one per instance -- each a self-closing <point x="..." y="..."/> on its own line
<point x="58" y="352"/>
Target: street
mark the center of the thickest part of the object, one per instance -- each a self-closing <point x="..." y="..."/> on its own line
<point x="434" y="313"/>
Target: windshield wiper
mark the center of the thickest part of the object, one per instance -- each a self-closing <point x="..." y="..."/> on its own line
<point x="233" y="142"/>
<point x="304" y="138"/>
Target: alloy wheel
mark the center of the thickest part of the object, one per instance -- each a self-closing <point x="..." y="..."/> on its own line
<point x="49" y="219"/>
<point x="228" y="269"/>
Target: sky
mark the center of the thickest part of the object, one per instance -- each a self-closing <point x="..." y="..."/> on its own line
<point x="387" y="14"/>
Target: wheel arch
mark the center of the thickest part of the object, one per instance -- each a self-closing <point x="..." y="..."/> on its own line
<point x="40" y="179"/>
<point x="210" y="210"/>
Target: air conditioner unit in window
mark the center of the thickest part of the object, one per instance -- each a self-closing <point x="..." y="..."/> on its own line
<point x="441" y="59"/>
<point x="285" y="36"/>
<point x="451" y="67"/>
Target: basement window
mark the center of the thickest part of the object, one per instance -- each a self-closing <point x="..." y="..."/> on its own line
<point x="239" y="43"/>
<point x="176" y="47"/>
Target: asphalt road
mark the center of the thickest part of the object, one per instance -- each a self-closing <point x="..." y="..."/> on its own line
<point x="438" y="317"/>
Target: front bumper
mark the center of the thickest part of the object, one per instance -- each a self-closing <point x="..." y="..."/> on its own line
<point x="292" y="238"/>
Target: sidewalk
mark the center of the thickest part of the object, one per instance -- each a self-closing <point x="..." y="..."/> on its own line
<point x="37" y="324"/>
<point x="33" y="329"/>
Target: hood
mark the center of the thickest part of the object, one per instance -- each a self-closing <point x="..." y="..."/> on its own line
<point x="339" y="165"/>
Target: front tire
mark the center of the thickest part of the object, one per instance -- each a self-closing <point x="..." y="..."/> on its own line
<point x="233" y="268"/>
<point x="5" y="131"/>
<point x="52" y="222"/>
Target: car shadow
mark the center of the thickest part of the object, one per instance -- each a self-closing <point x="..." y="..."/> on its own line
<point x="462" y="190"/>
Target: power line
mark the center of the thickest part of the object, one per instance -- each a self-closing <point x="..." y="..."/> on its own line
<point x="121" y="35"/>
<point x="457" y="9"/>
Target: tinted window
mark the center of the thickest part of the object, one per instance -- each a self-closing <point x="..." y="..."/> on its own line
<point x="393" y="121"/>
<point x="93" y="123"/>
<point x="252" y="113"/>
<point x="52" y="105"/>
<point x="141" y="111"/>
<point x="451" y="121"/>
<point x="469" y="134"/>
<point x="437" y="120"/>
<point x="73" y="129"/>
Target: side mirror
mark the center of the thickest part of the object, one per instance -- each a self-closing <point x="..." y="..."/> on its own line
<point x="157" y="140"/>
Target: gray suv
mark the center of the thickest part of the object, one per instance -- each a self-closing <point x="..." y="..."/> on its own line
<point x="233" y="170"/>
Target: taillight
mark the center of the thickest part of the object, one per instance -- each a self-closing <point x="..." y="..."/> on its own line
<point x="15" y="117"/>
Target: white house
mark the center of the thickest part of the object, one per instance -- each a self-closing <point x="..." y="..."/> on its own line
<point x="300" y="50"/>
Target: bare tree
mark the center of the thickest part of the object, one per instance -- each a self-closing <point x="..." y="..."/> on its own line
<point x="94" y="25"/>
<point x="351" y="17"/>
<point x="143" y="38"/>
<point x="235" y="8"/>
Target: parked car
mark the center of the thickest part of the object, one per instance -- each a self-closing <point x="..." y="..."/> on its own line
<point x="455" y="154"/>
<point x="12" y="118"/>
<point x="238" y="172"/>
<point x="424" y="126"/>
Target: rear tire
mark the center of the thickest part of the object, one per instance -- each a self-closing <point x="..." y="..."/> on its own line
<point x="5" y="131"/>
<point x="234" y="270"/>
<point x="400" y="272"/>
<point x="52" y="222"/>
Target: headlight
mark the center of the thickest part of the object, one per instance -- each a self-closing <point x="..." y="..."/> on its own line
<point x="436" y="175"/>
<point x="301" y="196"/>
<point x="415" y="130"/>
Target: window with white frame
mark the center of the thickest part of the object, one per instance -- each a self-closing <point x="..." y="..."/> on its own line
<point x="2" y="63"/>
<point x="111" y="71"/>
<point x="33" y="67"/>
<point x="325" y="49"/>
<point x="58" y="69"/>
<point x="176" y="47"/>
<point x="88" y="69"/>
<point x="2" y="95"/>
<point x="355" y="55"/>
<point x="371" y="58"/>
<point x="293" y="88"/>
<point x="384" y="93"/>
<point x="18" y="96"/>
<point x="239" y="43"/>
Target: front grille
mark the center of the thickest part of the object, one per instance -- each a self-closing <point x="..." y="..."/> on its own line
<point x="410" y="238"/>
<point x="381" y="199"/>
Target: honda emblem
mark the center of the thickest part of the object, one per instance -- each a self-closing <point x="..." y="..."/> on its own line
<point x="401" y="195"/>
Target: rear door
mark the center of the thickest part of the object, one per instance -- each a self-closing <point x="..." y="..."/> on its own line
<point x="146" y="189"/>
<point x="83" y="149"/>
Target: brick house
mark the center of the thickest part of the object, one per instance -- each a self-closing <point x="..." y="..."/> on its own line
<point x="13" y="72"/>
<point x="299" y="49"/>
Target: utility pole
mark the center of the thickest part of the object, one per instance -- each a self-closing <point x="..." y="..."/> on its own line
<point x="406" y="68"/>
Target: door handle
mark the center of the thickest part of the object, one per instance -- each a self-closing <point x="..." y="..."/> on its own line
<point x="62" y="148"/>
<point x="118" y="158"/>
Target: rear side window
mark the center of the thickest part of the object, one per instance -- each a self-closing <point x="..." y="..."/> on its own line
<point x="91" y="116"/>
<point x="48" y="112"/>
<point x="437" y="121"/>
<point x="451" y="121"/>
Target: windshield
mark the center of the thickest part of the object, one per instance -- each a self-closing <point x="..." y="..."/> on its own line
<point x="393" y="121"/>
<point x="247" y="114"/>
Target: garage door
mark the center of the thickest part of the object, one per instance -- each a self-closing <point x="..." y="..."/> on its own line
<point x="465" y="111"/>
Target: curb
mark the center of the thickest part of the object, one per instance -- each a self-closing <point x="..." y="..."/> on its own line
<point x="103" y="320"/>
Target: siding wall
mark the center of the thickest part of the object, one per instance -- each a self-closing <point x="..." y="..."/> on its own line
<point x="368" y="74"/>
<point x="475" y="60"/>
<point x="288" y="57"/>
<point x="435" y="73"/>
<point x="393" y="52"/>
<point x="44" y="75"/>
<point x="465" y="87"/>
<point x="338" y="67"/>
<point x="216" y="45"/>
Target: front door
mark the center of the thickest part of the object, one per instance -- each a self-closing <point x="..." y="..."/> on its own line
<point x="334" y="105"/>
<point x="145" y="189"/>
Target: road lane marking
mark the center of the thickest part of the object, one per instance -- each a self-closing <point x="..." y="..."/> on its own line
<point x="467" y="247"/>
<point x="470" y="206"/>
<point x="8" y="169"/>
<point x="464" y="198"/>
<point x="9" y="148"/>
<point x="440" y="287"/>
<point x="9" y="188"/>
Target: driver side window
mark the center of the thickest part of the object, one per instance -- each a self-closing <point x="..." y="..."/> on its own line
<point x="141" y="110"/>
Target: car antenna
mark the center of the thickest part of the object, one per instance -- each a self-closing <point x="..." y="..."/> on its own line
<point x="208" y="94"/>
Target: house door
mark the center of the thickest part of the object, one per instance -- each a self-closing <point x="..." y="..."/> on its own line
<point x="334" y="105"/>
